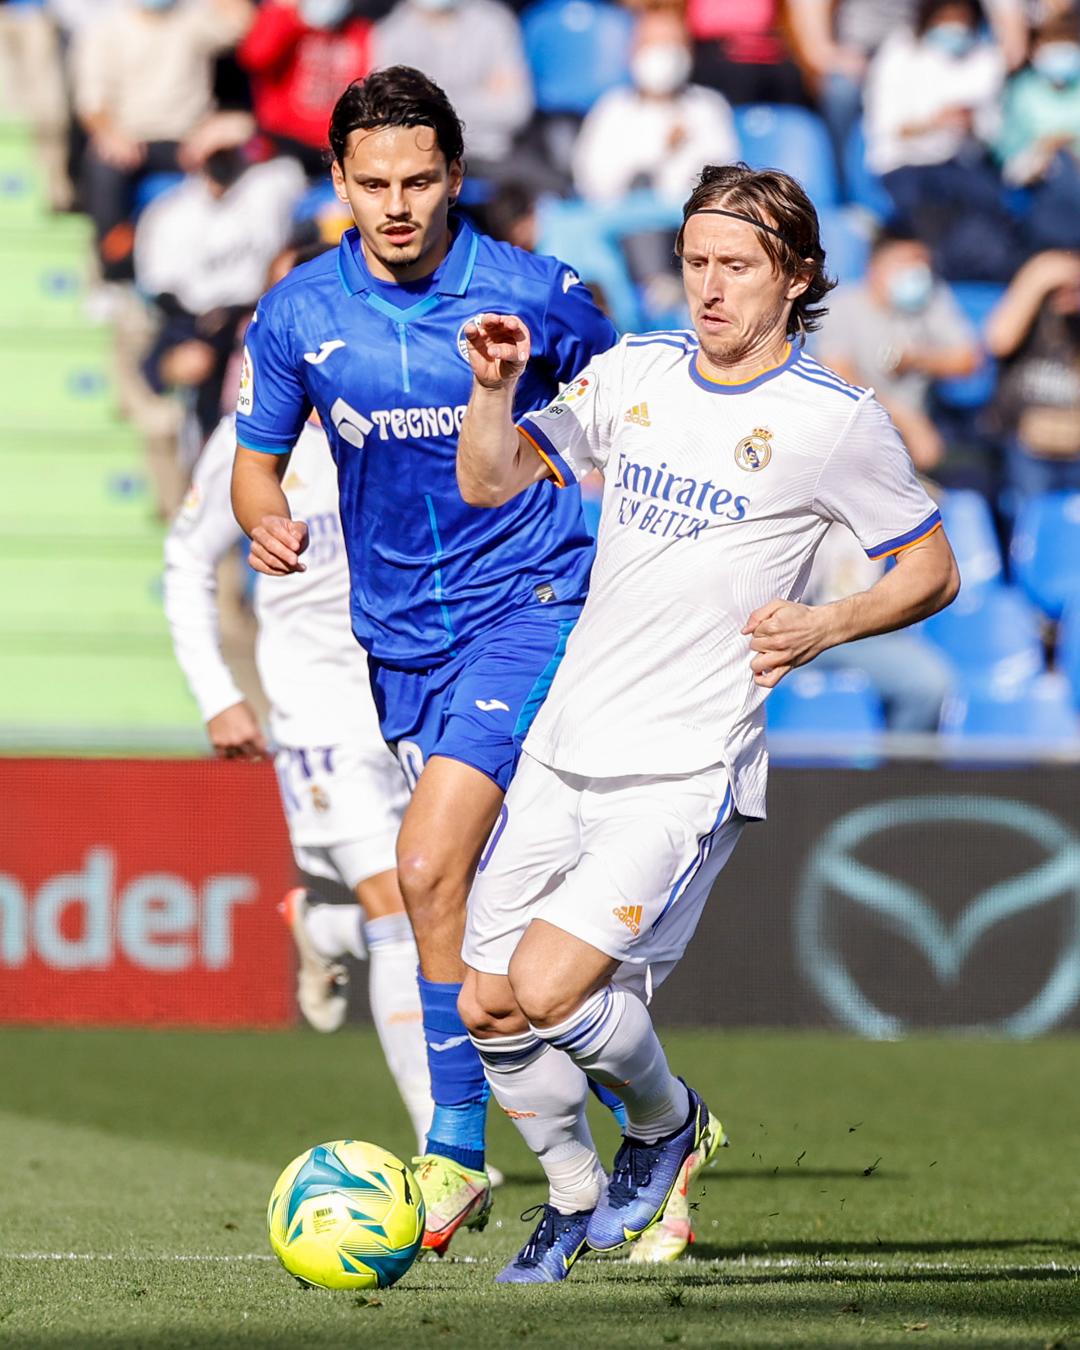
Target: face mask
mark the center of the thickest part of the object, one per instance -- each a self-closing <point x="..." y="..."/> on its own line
<point x="324" y="13"/>
<point x="953" y="39"/>
<point x="435" y="6"/>
<point x="910" y="287"/>
<point x="661" y="69"/>
<point x="1059" y="62"/>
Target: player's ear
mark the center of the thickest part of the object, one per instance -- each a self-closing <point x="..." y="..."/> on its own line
<point x="455" y="178"/>
<point x="801" y="280"/>
<point x="338" y="179"/>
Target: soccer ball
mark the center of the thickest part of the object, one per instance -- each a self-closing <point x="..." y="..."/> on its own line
<point x="346" y="1215"/>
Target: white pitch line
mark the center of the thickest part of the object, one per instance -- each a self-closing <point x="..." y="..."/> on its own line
<point x="133" y="1256"/>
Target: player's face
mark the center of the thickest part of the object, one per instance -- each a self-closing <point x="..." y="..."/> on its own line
<point x="739" y="303"/>
<point x="398" y="186"/>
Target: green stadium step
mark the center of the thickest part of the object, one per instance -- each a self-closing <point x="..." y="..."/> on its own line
<point x="22" y="192"/>
<point x="63" y="384"/>
<point x="81" y="596"/>
<point x="70" y="493"/>
<point x="115" y="689"/>
<point x="44" y="286"/>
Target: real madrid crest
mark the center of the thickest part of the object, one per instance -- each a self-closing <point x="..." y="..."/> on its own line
<point x="754" y="451"/>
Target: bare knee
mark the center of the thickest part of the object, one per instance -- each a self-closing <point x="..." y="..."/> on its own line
<point x="429" y="886"/>
<point x="539" y="997"/>
<point x="488" y="1008"/>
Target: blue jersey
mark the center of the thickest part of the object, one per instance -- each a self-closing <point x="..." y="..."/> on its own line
<point x="385" y="367"/>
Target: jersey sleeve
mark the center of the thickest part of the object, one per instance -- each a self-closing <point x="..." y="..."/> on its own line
<point x="575" y="329"/>
<point x="272" y="405"/>
<point x="201" y="534"/>
<point x="869" y="484"/>
<point x="573" y="434"/>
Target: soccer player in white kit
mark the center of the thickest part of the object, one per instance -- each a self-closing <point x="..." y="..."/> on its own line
<point x="342" y="790"/>
<point x="726" y="454"/>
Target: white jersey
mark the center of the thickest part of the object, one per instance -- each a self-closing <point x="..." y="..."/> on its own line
<point x="716" y="497"/>
<point x="313" y="670"/>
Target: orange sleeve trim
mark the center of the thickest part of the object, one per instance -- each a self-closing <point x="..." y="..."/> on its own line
<point x="559" y="480"/>
<point x="903" y="548"/>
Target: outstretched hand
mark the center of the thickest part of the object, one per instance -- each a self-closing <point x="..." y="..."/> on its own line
<point x="498" y="347"/>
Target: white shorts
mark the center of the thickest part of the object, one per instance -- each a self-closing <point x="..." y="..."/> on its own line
<point x="624" y="864"/>
<point x="343" y="805"/>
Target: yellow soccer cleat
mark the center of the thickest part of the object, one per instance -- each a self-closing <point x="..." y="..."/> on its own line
<point x="668" y="1239"/>
<point x="454" y="1197"/>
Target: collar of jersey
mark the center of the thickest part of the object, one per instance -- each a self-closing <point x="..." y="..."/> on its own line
<point x="741" y="386"/>
<point x="456" y="273"/>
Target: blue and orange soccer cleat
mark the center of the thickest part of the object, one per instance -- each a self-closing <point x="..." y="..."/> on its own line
<point x="556" y="1243"/>
<point x="644" y="1177"/>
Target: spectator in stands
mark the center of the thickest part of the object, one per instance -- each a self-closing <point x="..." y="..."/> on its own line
<point x="657" y="134"/>
<point x="837" y="38"/>
<point x="1035" y="333"/>
<point x="300" y="54"/>
<point x="473" y="49"/>
<point x="932" y="100"/>
<point x="143" y="84"/>
<point x="202" y="252"/>
<point x="738" y="49"/>
<point x="898" y="331"/>
<point x="1039" y="139"/>
<point x="911" y="675"/>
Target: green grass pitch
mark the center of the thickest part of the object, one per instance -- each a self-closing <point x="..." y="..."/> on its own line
<point x="921" y="1193"/>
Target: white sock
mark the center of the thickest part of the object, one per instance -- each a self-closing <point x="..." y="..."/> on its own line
<point x="544" y="1094"/>
<point x="395" y="1010"/>
<point x="611" y="1037"/>
<point x="335" y="930"/>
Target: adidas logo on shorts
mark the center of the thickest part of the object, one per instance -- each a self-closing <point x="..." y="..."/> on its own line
<point x="629" y="915"/>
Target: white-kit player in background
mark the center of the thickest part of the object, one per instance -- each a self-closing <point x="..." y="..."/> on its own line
<point x="342" y="790"/>
<point x="726" y="454"/>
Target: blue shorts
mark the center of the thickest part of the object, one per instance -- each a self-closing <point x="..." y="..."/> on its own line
<point x="478" y="706"/>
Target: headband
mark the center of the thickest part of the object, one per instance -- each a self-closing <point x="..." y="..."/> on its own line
<point x="750" y="220"/>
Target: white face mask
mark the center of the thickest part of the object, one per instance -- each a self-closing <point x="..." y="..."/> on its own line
<point x="435" y="6"/>
<point x="661" y="68"/>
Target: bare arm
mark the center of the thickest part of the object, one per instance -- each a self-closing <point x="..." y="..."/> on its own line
<point x="494" y="460"/>
<point x="262" y="511"/>
<point x="1011" y="321"/>
<point x="785" y="634"/>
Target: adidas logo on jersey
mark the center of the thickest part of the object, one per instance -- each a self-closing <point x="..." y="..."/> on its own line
<point x="638" y="414"/>
<point x="629" y="915"/>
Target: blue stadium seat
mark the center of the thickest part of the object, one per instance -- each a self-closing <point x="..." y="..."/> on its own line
<point x="1045" y="550"/>
<point x="151" y="187"/>
<point x="1036" y="712"/>
<point x="578" y="234"/>
<point x="1068" y="648"/>
<point x="864" y="187"/>
<point x="977" y="299"/>
<point x="847" y="243"/>
<point x="780" y="136"/>
<point x="837" y="713"/>
<point x="991" y="634"/>
<point x="970" y="527"/>
<point x="577" y="50"/>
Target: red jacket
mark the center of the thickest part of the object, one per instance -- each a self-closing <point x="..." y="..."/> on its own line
<point x="297" y="72"/>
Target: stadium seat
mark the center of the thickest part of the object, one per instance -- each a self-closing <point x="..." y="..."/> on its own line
<point x="970" y="527"/>
<point x="578" y="233"/>
<point x="1068" y="648"/>
<point x="577" y="50"/>
<point x="977" y="299"/>
<point x="864" y="188"/>
<point x="1036" y="712"/>
<point x="847" y="243"/>
<point x="1045" y="550"/>
<point x="150" y="188"/>
<point x="991" y="634"/>
<point x="825" y="717"/>
<point x="780" y="136"/>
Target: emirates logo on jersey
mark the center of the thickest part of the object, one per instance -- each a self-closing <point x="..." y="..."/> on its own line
<point x="754" y="451"/>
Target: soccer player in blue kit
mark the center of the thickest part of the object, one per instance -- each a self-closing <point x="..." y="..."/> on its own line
<point x="465" y="613"/>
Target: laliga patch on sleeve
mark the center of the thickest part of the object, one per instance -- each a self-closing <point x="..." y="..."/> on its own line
<point x="245" y="399"/>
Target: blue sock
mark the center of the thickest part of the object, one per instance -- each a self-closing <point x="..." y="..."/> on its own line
<point x="458" y="1086"/>
<point x="605" y="1095"/>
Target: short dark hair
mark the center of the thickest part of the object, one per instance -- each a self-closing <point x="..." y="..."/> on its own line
<point x="398" y="96"/>
<point x="775" y="199"/>
<point x="927" y="12"/>
<point x="894" y="232"/>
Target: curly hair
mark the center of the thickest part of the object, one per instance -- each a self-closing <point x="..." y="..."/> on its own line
<point x="776" y="200"/>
